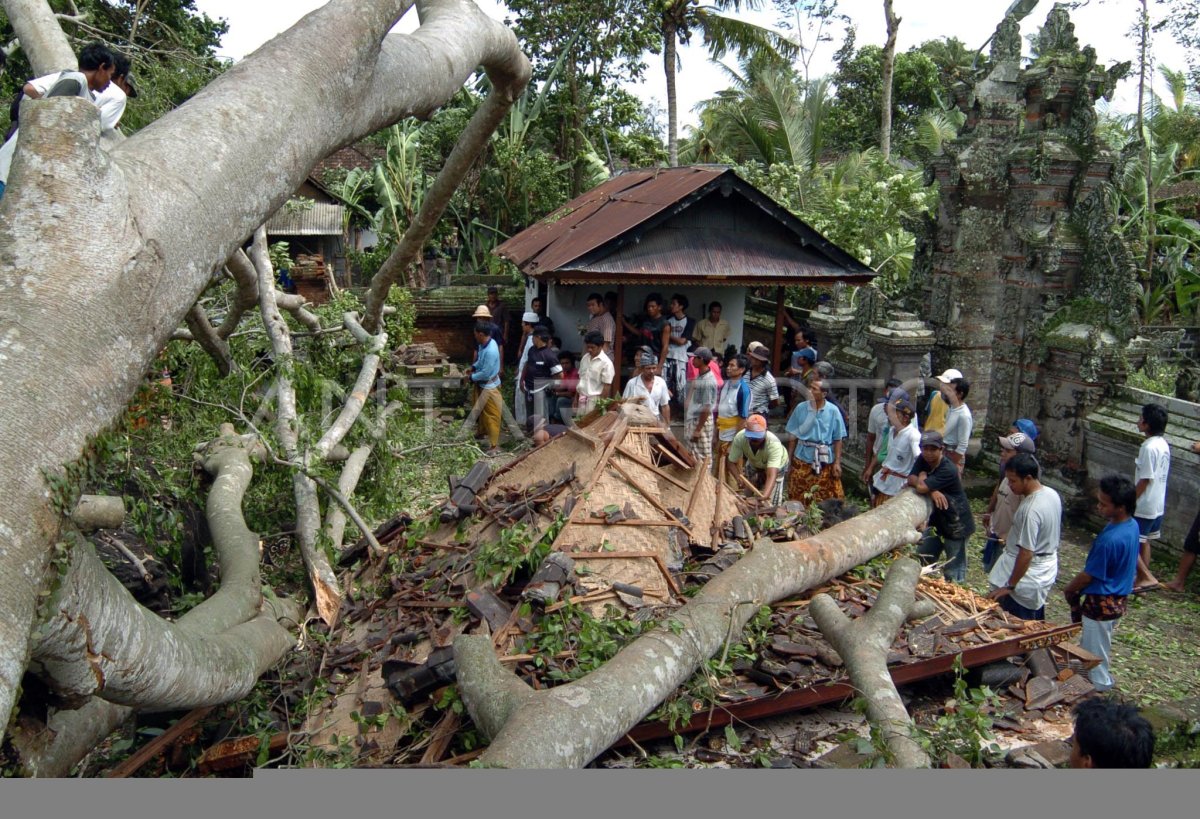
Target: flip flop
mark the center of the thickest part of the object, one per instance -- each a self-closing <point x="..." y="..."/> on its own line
<point x="1147" y="587"/>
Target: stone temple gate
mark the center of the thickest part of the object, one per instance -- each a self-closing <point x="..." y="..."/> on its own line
<point x="1021" y="281"/>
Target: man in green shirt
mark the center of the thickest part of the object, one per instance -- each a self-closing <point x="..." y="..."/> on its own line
<point x="765" y="452"/>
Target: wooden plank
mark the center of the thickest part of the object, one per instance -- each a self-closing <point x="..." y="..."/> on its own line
<point x="655" y="556"/>
<point x="582" y="436"/>
<point x="666" y="450"/>
<point x="441" y="737"/>
<point x="746" y="482"/>
<point x="159" y="744"/>
<point x="715" y="530"/>
<point x="618" y="339"/>
<point x="238" y="753"/>
<point x="655" y="502"/>
<point x="638" y="459"/>
<point x="629" y="522"/>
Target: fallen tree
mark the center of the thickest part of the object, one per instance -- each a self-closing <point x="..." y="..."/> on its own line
<point x="160" y="212"/>
<point x="569" y="725"/>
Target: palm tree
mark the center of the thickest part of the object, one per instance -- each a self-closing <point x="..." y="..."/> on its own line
<point x="680" y="18"/>
<point x="768" y="115"/>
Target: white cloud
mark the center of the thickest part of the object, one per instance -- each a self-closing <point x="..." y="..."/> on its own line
<point x="1103" y="25"/>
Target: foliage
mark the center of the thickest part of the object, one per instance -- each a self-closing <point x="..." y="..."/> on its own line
<point x="592" y="641"/>
<point x="172" y="47"/>
<point x="965" y="729"/>
<point x="860" y="203"/>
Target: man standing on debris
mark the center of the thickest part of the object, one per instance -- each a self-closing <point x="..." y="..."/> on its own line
<point x="817" y="431"/>
<point x="650" y="385"/>
<point x="951" y="522"/>
<point x="698" y="412"/>
<point x="596" y="373"/>
<point x="485" y="374"/>
<point x="1111" y="734"/>
<point x="733" y="408"/>
<point x="763" y="451"/>
<point x="1107" y="576"/>
<point x="1025" y="571"/>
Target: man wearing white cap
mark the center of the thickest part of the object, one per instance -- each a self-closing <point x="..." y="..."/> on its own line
<point x="528" y="321"/>
<point x="937" y="403"/>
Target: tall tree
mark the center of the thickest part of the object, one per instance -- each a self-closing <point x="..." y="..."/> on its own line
<point x="889" y="65"/>
<point x="679" y="19"/>
<point x="158" y="214"/>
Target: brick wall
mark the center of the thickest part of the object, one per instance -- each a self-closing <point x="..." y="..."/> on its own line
<point x="452" y="337"/>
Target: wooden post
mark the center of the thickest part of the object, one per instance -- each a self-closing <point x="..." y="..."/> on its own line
<point x="618" y="337"/>
<point x="779" y="322"/>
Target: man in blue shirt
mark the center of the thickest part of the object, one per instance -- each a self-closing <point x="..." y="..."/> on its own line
<point x="817" y="431"/>
<point x="485" y="375"/>
<point x="1107" y="576"/>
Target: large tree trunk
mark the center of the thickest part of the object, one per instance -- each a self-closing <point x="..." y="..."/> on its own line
<point x="102" y="255"/>
<point x="889" y="65"/>
<point x="41" y="36"/>
<point x="568" y="726"/>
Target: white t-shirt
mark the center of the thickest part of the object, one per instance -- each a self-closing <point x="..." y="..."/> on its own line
<point x="957" y="432"/>
<point x="677" y="352"/>
<point x="1153" y="462"/>
<point x="1037" y="527"/>
<point x="877" y="422"/>
<point x="656" y="396"/>
<point x="902" y="453"/>
<point x="594" y="374"/>
<point x="111" y="102"/>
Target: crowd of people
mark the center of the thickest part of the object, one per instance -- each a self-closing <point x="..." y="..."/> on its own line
<point x="725" y="396"/>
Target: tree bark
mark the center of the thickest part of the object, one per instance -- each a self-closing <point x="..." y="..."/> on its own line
<point x="239" y="599"/>
<point x="864" y="644"/>
<point x="569" y="725"/>
<point x="42" y="38"/>
<point x="889" y="65"/>
<point x="669" y="62"/>
<point x="160" y="212"/>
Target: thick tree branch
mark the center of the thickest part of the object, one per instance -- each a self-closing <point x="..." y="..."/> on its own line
<point x="359" y="392"/>
<point x="864" y="644"/>
<point x="42" y="38"/>
<point x="202" y="333"/>
<point x="569" y="725"/>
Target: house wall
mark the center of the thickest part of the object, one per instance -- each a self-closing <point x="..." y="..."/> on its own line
<point x="567" y="306"/>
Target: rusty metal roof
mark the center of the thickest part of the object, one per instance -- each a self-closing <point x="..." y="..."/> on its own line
<point x="691" y="224"/>
<point x="317" y="219"/>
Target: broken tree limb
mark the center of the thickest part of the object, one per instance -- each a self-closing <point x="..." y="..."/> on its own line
<point x="326" y="593"/>
<point x="864" y="644"/>
<point x="569" y="725"/>
<point x="98" y="512"/>
<point x="362" y="386"/>
<point x="335" y="518"/>
<point x="203" y="333"/>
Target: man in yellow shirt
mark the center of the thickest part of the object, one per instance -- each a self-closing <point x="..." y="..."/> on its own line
<point x="937" y="404"/>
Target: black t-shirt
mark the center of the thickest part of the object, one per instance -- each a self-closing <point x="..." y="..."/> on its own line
<point x="955" y="522"/>
<point x="652" y="333"/>
<point x="540" y="365"/>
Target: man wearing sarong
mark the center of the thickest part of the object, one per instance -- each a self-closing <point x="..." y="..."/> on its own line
<point x="817" y="431"/>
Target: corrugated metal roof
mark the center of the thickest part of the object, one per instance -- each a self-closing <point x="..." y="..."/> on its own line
<point x="322" y="219"/>
<point x="629" y="229"/>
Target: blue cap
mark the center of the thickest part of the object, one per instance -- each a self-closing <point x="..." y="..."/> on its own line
<point x="807" y="352"/>
<point x="1028" y="427"/>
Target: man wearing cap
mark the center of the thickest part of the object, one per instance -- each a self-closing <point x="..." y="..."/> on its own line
<point x="764" y="392"/>
<point x="1002" y="506"/>
<point x="698" y="410"/>
<point x="817" y="429"/>
<point x="951" y="522"/>
<point x="763" y="451"/>
<point x="1025" y="571"/>
<point x="901" y="452"/>
<point x="937" y="407"/>
<point x="879" y="430"/>
<point x="648" y="384"/>
<point x="485" y="375"/>
<point x="596" y="373"/>
<point x="529" y="320"/>
<point x="541" y="370"/>
<point x="482" y="313"/>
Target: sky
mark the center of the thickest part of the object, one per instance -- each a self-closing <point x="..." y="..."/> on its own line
<point x="1104" y="24"/>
